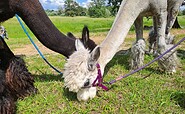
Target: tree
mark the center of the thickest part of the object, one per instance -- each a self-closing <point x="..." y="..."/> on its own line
<point x="97" y="8"/>
<point x="115" y="6"/>
<point x="72" y="8"/>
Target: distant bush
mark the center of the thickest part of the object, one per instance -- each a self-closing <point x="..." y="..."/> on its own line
<point x="51" y="12"/>
<point x="183" y="12"/>
<point x="98" y="12"/>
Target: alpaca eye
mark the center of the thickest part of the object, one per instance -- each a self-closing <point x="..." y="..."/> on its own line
<point x="87" y="82"/>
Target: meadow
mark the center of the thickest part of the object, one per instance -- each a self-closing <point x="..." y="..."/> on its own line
<point x="148" y="91"/>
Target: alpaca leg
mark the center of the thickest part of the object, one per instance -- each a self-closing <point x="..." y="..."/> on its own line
<point x="137" y="54"/>
<point x="153" y="37"/>
<point x="167" y="62"/>
<point x="172" y="14"/>
<point x="139" y="27"/>
<point x="138" y="48"/>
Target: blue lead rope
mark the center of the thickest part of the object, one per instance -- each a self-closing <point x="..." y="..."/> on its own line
<point x="36" y="47"/>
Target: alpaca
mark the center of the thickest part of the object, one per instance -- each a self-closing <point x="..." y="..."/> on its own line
<point x="172" y="11"/>
<point x="16" y="81"/>
<point x="77" y="81"/>
<point x="122" y="23"/>
<point x="137" y="54"/>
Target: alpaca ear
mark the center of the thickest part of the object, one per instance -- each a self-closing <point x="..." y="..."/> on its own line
<point x="85" y="35"/>
<point x="94" y="55"/>
<point x="79" y="45"/>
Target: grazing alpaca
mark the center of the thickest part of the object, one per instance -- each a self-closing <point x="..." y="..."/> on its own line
<point x="123" y="21"/>
<point x="16" y="81"/>
<point x="77" y="81"/>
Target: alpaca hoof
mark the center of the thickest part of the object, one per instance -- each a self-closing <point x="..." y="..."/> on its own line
<point x="172" y="72"/>
<point x="169" y="62"/>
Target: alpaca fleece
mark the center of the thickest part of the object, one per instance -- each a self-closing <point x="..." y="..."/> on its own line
<point x="76" y="73"/>
<point x="19" y="80"/>
<point x="169" y="61"/>
<point x="7" y="102"/>
<point x="137" y="54"/>
<point x="16" y="82"/>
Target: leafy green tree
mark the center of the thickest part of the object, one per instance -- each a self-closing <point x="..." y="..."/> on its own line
<point x="115" y="4"/>
<point x="97" y="9"/>
<point x="72" y="8"/>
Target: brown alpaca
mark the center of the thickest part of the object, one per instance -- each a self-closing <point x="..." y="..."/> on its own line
<point x="16" y="81"/>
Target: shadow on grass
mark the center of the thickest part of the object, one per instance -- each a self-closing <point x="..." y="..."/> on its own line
<point x="179" y="98"/>
<point x="118" y="60"/>
<point x="181" y="53"/>
<point x="48" y="77"/>
<point x="70" y="95"/>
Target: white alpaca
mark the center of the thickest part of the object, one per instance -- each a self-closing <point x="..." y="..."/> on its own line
<point x="78" y="75"/>
<point x="129" y="11"/>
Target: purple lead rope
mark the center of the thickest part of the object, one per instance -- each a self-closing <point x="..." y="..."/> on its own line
<point x="99" y="78"/>
<point x="160" y="56"/>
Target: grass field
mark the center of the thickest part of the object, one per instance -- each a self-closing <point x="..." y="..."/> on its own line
<point x="148" y="91"/>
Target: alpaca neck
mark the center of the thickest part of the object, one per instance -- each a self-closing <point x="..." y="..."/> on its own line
<point x="128" y="12"/>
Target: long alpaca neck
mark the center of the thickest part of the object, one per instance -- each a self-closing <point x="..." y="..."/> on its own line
<point x="39" y="23"/>
<point x="128" y="12"/>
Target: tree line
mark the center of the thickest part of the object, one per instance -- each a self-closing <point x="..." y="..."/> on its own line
<point x="96" y="8"/>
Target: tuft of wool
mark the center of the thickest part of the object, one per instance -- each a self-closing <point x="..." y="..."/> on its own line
<point x="137" y="54"/>
<point x="169" y="61"/>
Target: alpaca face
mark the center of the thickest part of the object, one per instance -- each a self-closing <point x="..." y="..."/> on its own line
<point x="80" y="69"/>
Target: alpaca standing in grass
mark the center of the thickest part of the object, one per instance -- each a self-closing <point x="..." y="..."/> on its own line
<point x="125" y="18"/>
<point x="16" y="81"/>
<point x="172" y="11"/>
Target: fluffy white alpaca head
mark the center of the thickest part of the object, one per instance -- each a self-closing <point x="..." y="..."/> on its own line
<point x="80" y="71"/>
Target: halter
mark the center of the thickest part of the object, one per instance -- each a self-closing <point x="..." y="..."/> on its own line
<point x="99" y="78"/>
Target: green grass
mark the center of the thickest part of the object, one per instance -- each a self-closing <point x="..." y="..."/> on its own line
<point x="148" y="91"/>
